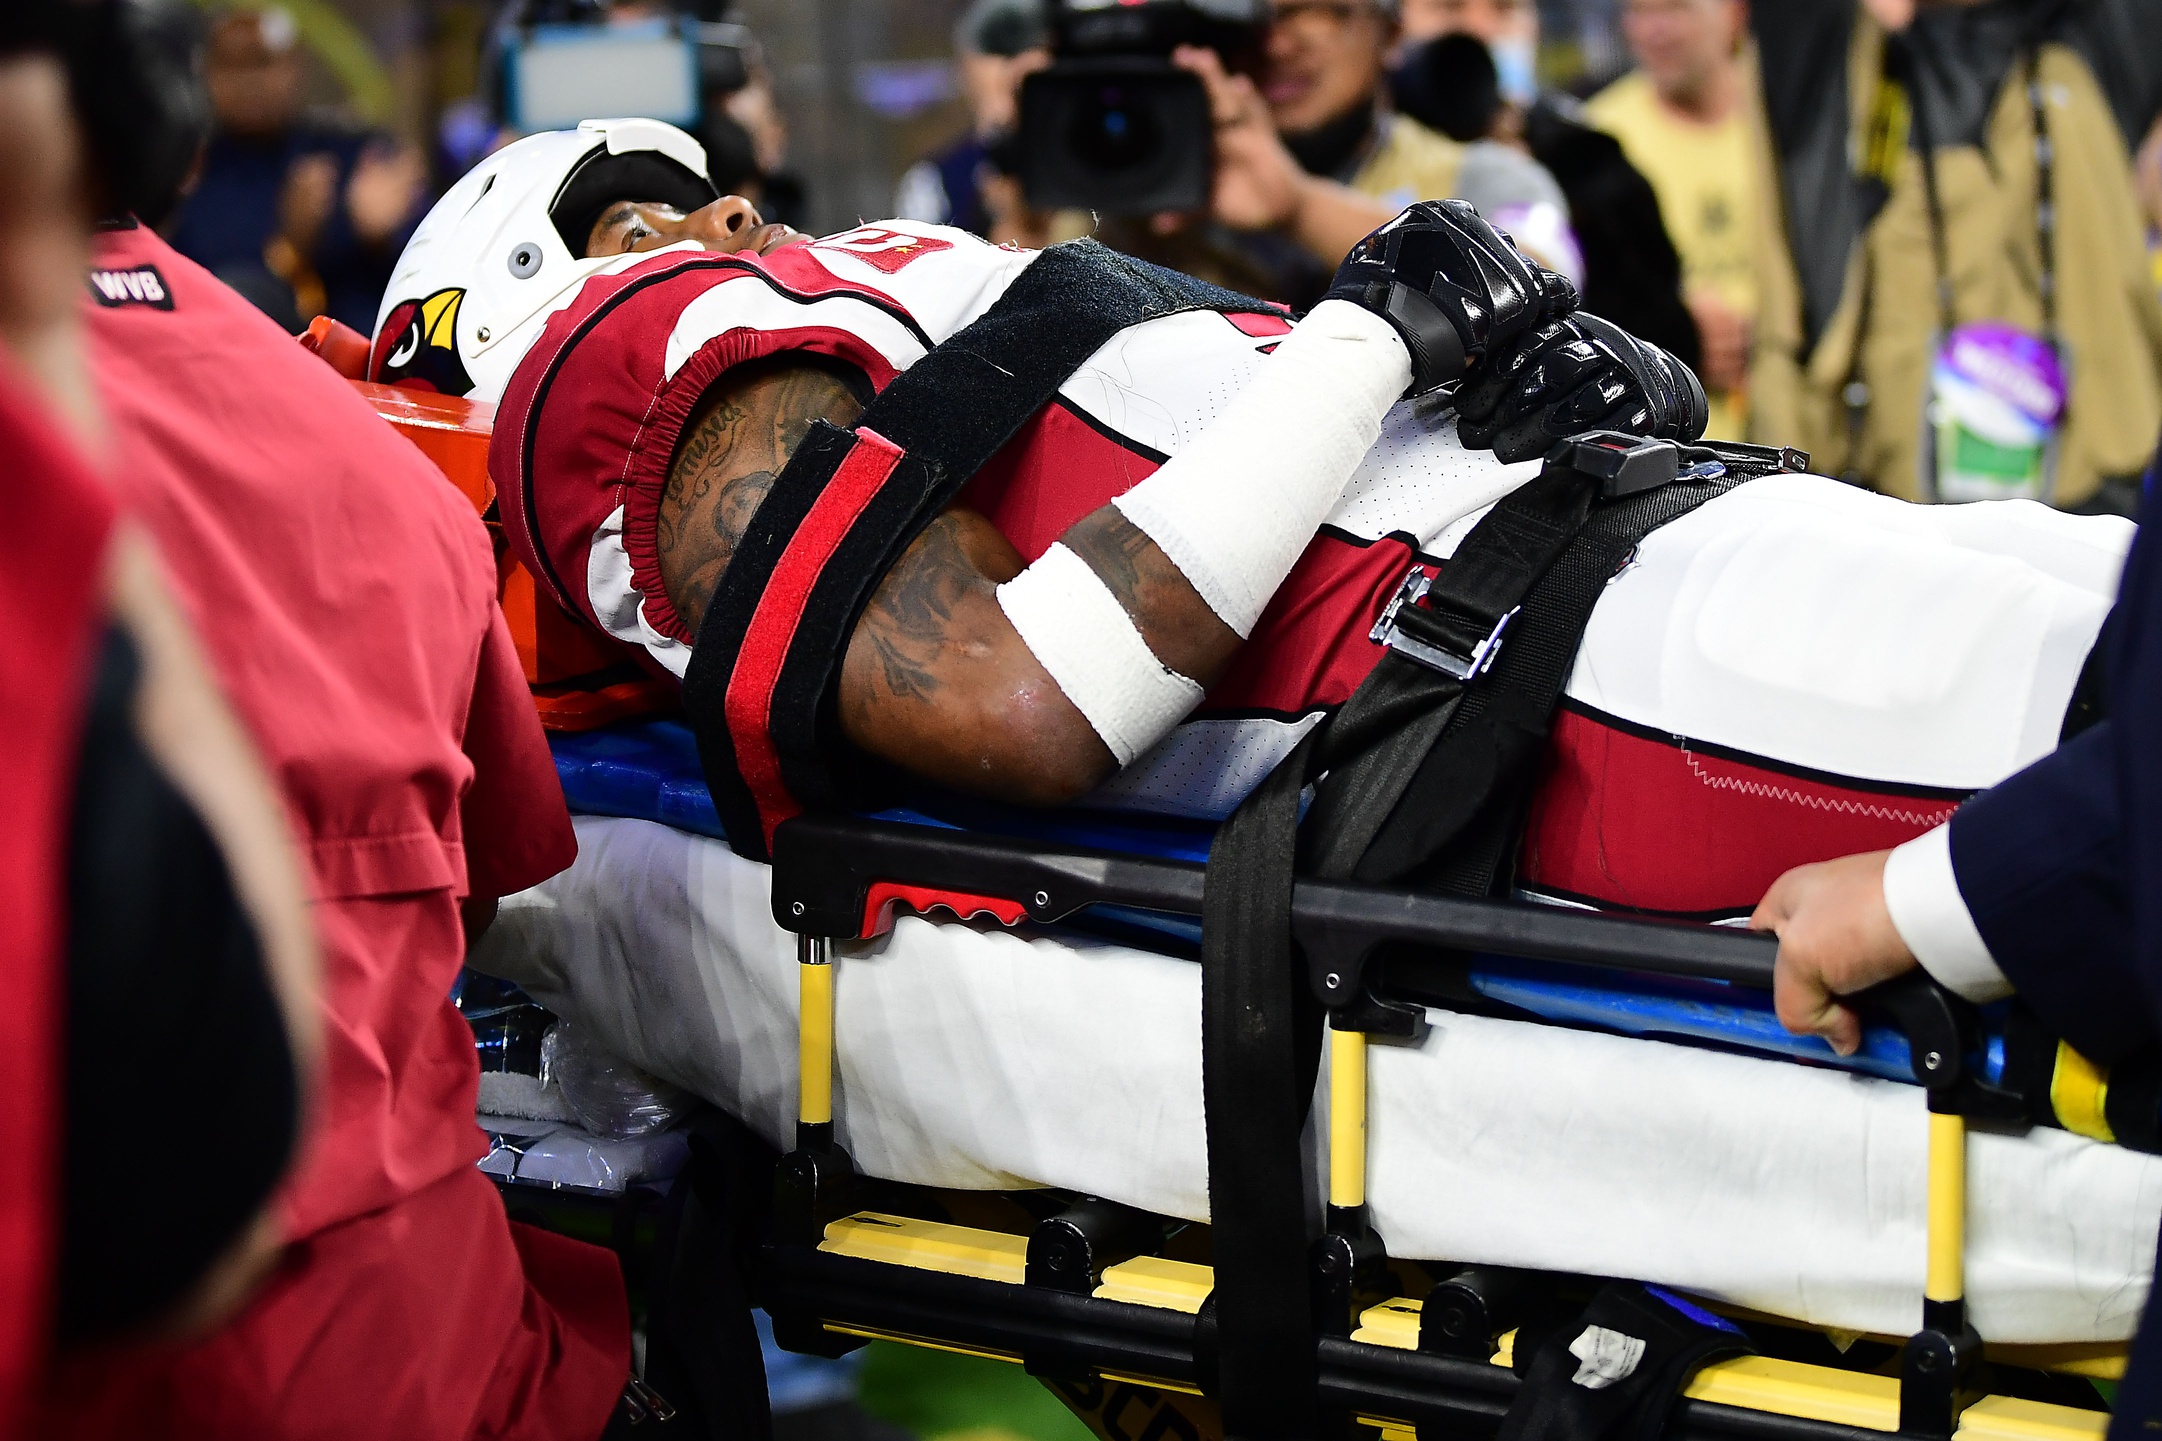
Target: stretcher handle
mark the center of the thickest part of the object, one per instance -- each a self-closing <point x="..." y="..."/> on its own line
<point x="1944" y="1034"/>
<point x="826" y="869"/>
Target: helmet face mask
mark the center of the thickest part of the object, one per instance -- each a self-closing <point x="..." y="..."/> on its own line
<point x="504" y="249"/>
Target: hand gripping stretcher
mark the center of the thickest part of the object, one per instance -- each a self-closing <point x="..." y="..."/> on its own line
<point x="1113" y="1307"/>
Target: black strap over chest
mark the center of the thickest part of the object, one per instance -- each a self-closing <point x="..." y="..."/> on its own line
<point x="1425" y="761"/>
<point x="759" y="688"/>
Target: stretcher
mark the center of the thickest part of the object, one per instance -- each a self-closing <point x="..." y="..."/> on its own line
<point x="1110" y="1303"/>
<point x="1389" y="1356"/>
<point x="858" y="876"/>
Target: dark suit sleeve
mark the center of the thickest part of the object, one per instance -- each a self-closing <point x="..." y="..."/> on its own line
<point x="2061" y="866"/>
<point x="2040" y="863"/>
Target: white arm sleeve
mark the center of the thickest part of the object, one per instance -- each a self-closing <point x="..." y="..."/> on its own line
<point x="1922" y="893"/>
<point x="1085" y="641"/>
<point x="1234" y="510"/>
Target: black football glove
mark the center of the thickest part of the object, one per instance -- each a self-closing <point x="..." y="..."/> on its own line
<point x="1573" y="375"/>
<point x="1452" y="285"/>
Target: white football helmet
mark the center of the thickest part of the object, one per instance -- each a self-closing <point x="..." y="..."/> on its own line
<point x="505" y="248"/>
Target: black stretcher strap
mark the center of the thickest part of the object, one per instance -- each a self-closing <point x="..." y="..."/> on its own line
<point x="765" y="737"/>
<point x="1452" y="736"/>
<point x="1458" y="818"/>
<point x="1260" y="1048"/>
<point x="1392" y="720"/>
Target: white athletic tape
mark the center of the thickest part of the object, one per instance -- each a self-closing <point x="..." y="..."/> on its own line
<point x="1085" y="641"/>
<point x="1235" y="509"/>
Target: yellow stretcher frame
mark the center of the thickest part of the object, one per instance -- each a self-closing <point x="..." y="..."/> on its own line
<point x="1766" y="1385"/>
<point x="1758" y="1383"/>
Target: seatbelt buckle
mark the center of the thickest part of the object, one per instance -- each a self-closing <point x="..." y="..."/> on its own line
<point x="1415" y="633"/>
<point x="1623" y="464"/>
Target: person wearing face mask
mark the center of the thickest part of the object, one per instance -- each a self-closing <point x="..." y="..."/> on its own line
<point x="153" y="936"/>
<point x="1508" y="28"/>
<point x="1467" y="68"/>
<point x="1323" y="81"/>
<point x="353" y="623"/>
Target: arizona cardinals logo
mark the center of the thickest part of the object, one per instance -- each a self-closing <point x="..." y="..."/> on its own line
<point x="418" y="346"/>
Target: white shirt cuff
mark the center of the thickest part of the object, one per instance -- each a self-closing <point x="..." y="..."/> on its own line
<point x="1922" y="893"/>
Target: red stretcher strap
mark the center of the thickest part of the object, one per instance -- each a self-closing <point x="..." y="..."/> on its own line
<point x="773" y="625"/>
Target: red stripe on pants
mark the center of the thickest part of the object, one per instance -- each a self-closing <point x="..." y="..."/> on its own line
<point x="1649" y="823"/>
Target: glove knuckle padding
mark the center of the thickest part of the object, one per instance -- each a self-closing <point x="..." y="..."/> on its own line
<point x="1469" y="278"/>
<point x="1573" y="375"/>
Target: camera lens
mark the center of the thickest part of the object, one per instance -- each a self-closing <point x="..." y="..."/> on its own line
<point x="1111" y="133"/>
<point x="1121" y="135"/>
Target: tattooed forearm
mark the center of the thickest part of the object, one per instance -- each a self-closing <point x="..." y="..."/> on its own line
<point x="1172" y="617"/>
<point x="731" y="452"/>
<point x="937" y="682"/>
<point x="909" y="622"/>
<point x="934" y="679"/>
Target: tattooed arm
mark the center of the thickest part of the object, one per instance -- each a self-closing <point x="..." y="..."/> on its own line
<point x="935" y="680"/>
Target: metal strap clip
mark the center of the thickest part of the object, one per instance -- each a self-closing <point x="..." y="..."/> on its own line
<point x="1389" y="631"/>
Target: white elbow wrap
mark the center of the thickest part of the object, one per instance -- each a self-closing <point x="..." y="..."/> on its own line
<point x="1235" y="509"/>
<point x="1085" y="641"/>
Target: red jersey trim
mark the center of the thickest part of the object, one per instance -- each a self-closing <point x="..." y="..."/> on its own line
<point x="749" y="706"/>
<point x="524" y="405"/>
<point x="1261" y="324"/>
<point x="525" y="399"/>
<point x="1756" y="761"/>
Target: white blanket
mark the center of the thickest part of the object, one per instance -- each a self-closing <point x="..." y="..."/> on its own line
<point x="977" y="1059"/>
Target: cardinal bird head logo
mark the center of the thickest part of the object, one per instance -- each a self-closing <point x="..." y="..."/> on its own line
<point x="418" y="346"/>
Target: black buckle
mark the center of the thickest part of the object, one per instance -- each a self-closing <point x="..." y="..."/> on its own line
<point x="1427" y="650"/>
<point x="1623" y="464"/>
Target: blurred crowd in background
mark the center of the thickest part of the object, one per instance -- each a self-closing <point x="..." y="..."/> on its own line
<point x="1744" y="189"/>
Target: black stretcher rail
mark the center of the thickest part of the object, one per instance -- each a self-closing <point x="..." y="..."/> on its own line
<point x="835" y="876"/>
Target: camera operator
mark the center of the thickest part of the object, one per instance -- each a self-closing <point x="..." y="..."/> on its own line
<point x="1309" y="158"/>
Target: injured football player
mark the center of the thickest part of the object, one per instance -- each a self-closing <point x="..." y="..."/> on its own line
<point x="1127" y="537"/>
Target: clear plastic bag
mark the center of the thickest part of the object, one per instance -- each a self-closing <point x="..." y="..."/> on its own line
<point x="608" y="1095"/>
